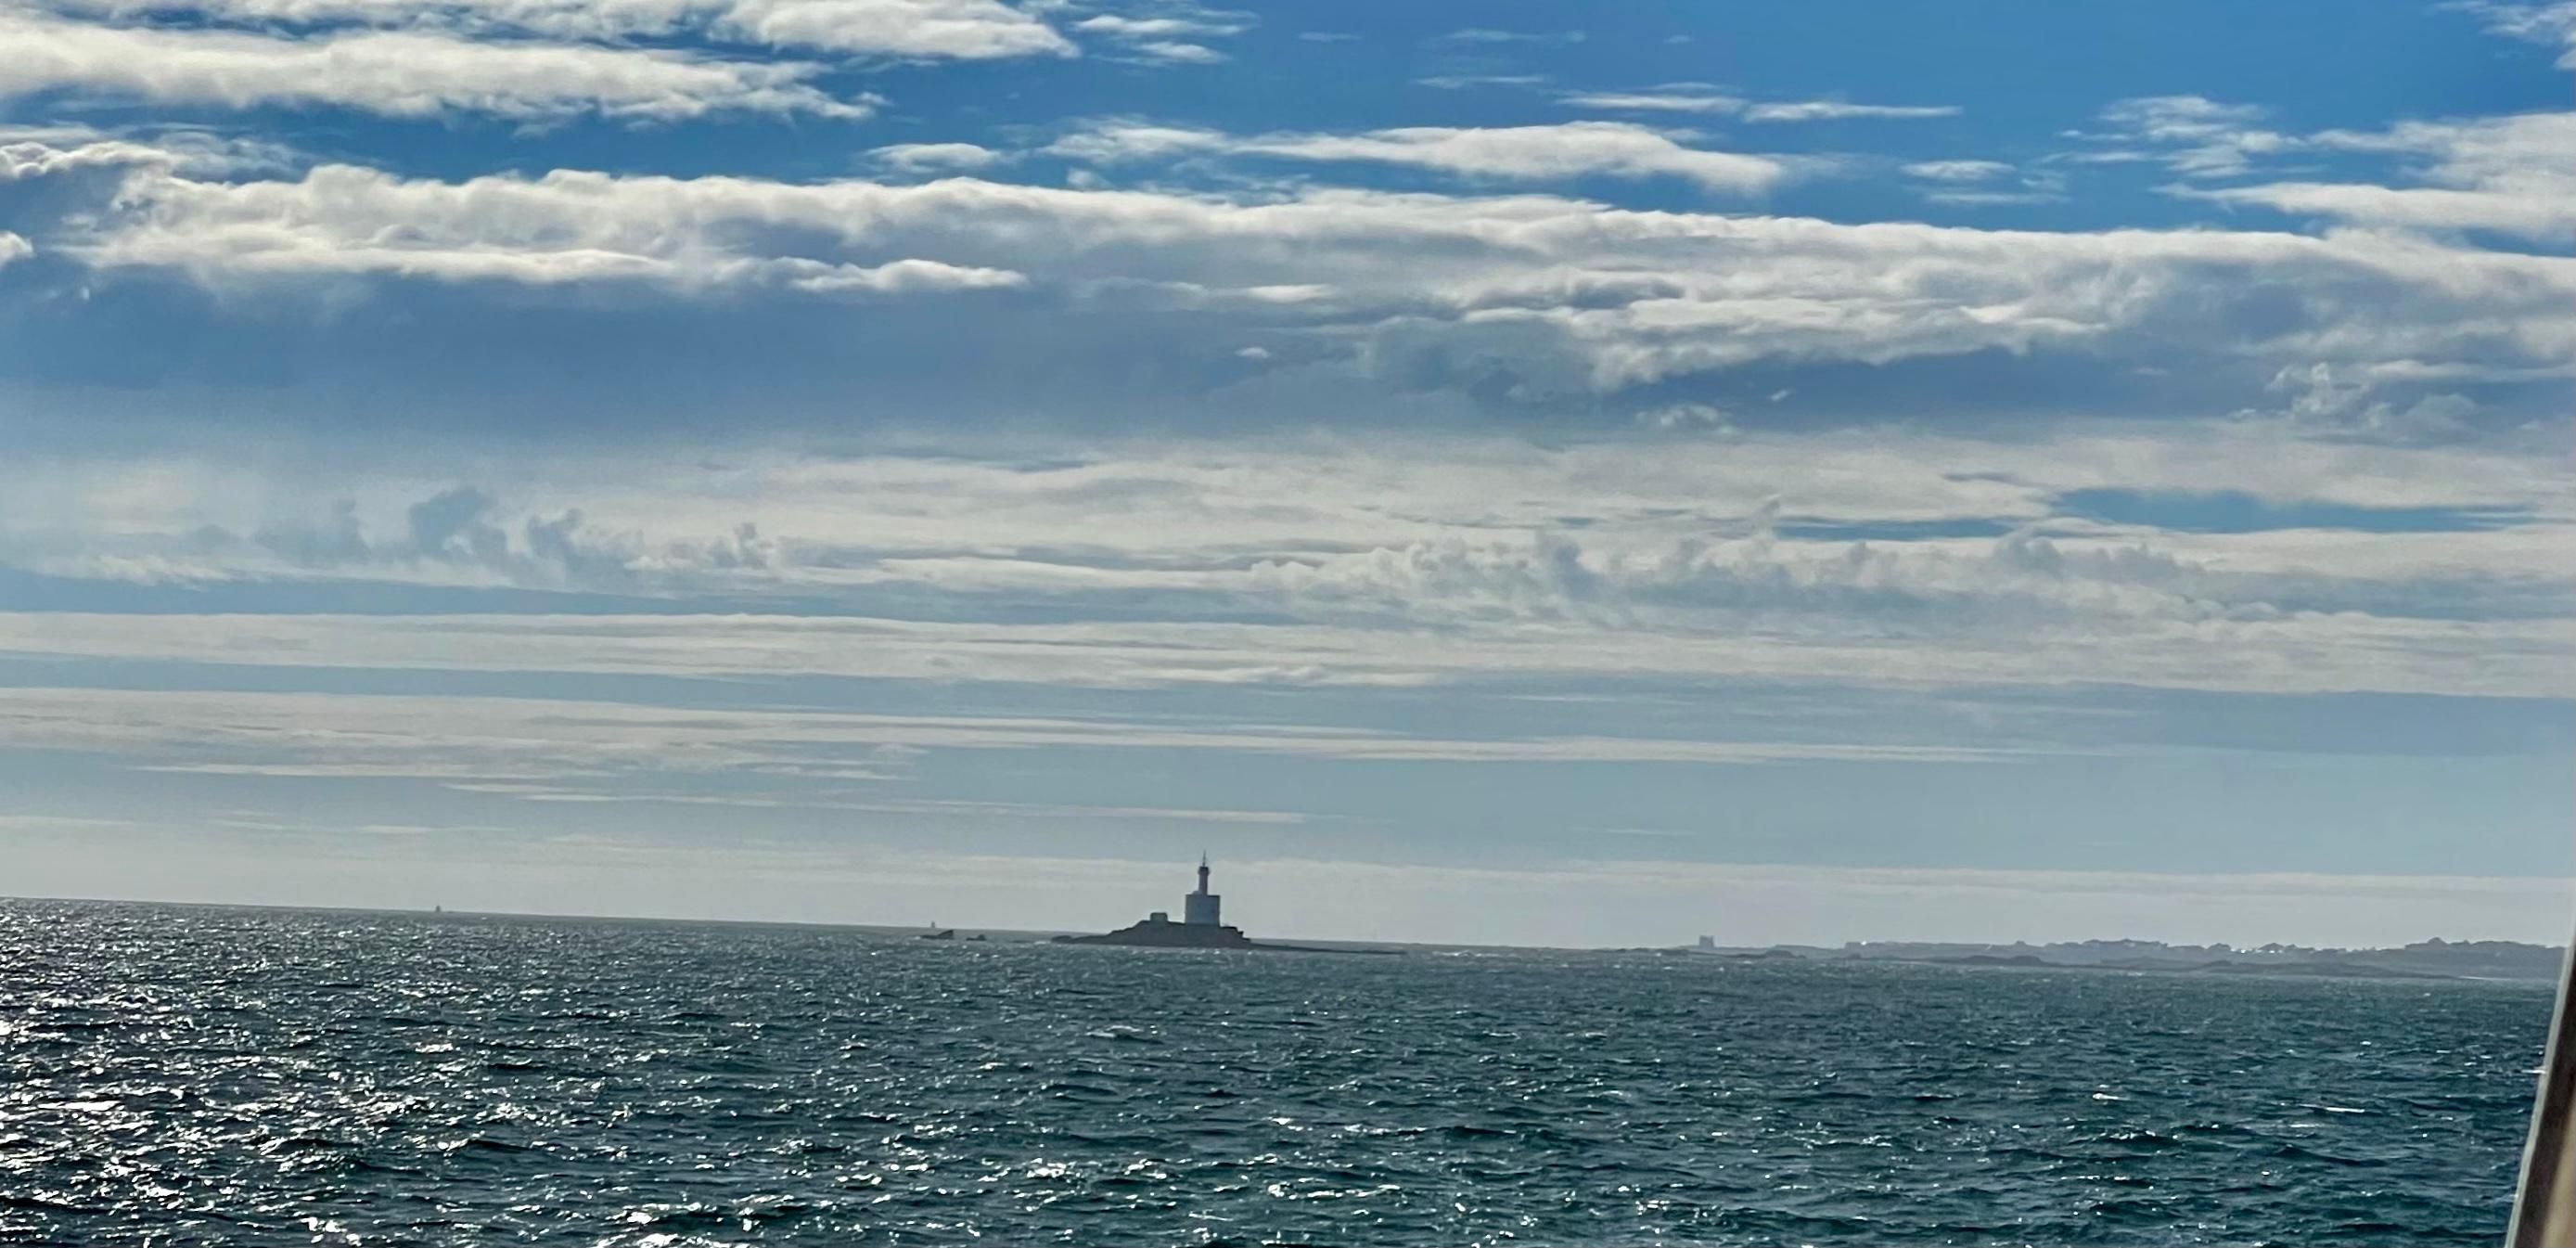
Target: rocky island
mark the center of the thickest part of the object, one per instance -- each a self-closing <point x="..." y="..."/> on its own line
<point x="1199" y="928"/>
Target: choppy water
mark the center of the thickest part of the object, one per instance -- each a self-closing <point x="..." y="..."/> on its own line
<point x="276" y="1076"/>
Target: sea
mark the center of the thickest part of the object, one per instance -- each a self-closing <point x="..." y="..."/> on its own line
<point x="207" y="1075"/>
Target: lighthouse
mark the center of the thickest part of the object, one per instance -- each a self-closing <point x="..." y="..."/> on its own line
<point x="1200" y="907"/>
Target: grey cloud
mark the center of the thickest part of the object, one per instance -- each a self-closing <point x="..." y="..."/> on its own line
<point x="452" y="514"/>
<point x="465" y="528"/>
<point x="339" y="538"/>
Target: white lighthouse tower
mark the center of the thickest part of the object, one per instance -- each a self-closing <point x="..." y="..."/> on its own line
<point x="1200" y="907"/>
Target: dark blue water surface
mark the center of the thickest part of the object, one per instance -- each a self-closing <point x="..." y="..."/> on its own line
<point x="242" y="1076"/>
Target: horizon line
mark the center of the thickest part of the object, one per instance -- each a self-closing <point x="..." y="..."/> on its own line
<point x="858" y="925"/>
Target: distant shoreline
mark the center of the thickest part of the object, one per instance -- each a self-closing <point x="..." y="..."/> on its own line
<point x="1982" y="957"/>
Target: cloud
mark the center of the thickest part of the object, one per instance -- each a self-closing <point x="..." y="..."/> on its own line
<point x="2515" y="175"/>
<point x="2202" y="138"/>
<point x="1463" y="82"/>
<point x="1519" y="153"/>
<point x="1673" y="556"/>
<point x="2550" y="216"/>
<point x="1958" y="170"/>
<point x="899" y="277"/>
<point x="1168" y="37"/>
<point x="1654" y="101"/>
<point x="1694" y="98"/>
<point x="1974" y="183"/>
<point x="1561" y="296"/>
<point x="927" y="157"/>
<point x="1496" y="624"/>
<point x="1175" y="52"/>
<point x="2357" y="401"/>
<point x="2551" y="24"/>
<point x="1031" y="810"/>
<point x="548" y="749"/>
<point x="1480" y="34"/>
<point x="401" y="74"/>
<point x="1122" y="27"/>
<point x="14" y="248"/>
<point x="2509" y="174"/>
<point x="1835" y="110"/>
<point x="958" y="29"/>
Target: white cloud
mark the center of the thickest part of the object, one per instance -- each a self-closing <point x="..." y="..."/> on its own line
<point x="1481" y="34"/>
<point x="403" y="74"/>
<point x="1835" y="110"/>
<point x="925" y="157"/>
<point x="1976" y="182"/>
<point x="552" y="749"/>
<point x="1654" y="101"/>
<point x="902" y="277"/>
<point x="1654" y="555"/>
<point x="2514" y="174"/>
<point x="1488" y="631"/>
<point x="1694" y="98"/>
<point x="14" y="247"/>
<point x="1958" y="170"/>
<point x="2550" y="216"/>
<point x="1575" y="296"/>
<point x="1462" y="82"/>
<point x="1031" y="810"/>
<point x="2202" y="138"/>
<point x="1123" y="27"/>
<point x="1175" y="52"/>
<point x="1169" y="37"/>
<point x="1686" y="416"/>
<point x="1521" y="153"/>
<point x="960" y="29"/>
<point x="2550" y="23"/>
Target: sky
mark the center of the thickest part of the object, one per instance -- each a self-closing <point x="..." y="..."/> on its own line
<point x="1498" y="472"/>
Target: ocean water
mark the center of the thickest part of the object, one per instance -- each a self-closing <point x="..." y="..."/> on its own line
<point x="174" y="1074"/>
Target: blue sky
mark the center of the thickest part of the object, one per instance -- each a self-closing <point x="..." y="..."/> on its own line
<point x="1500" y="472"/>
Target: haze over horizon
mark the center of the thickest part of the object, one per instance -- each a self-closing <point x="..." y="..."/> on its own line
<point x="1488" y="474"/>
